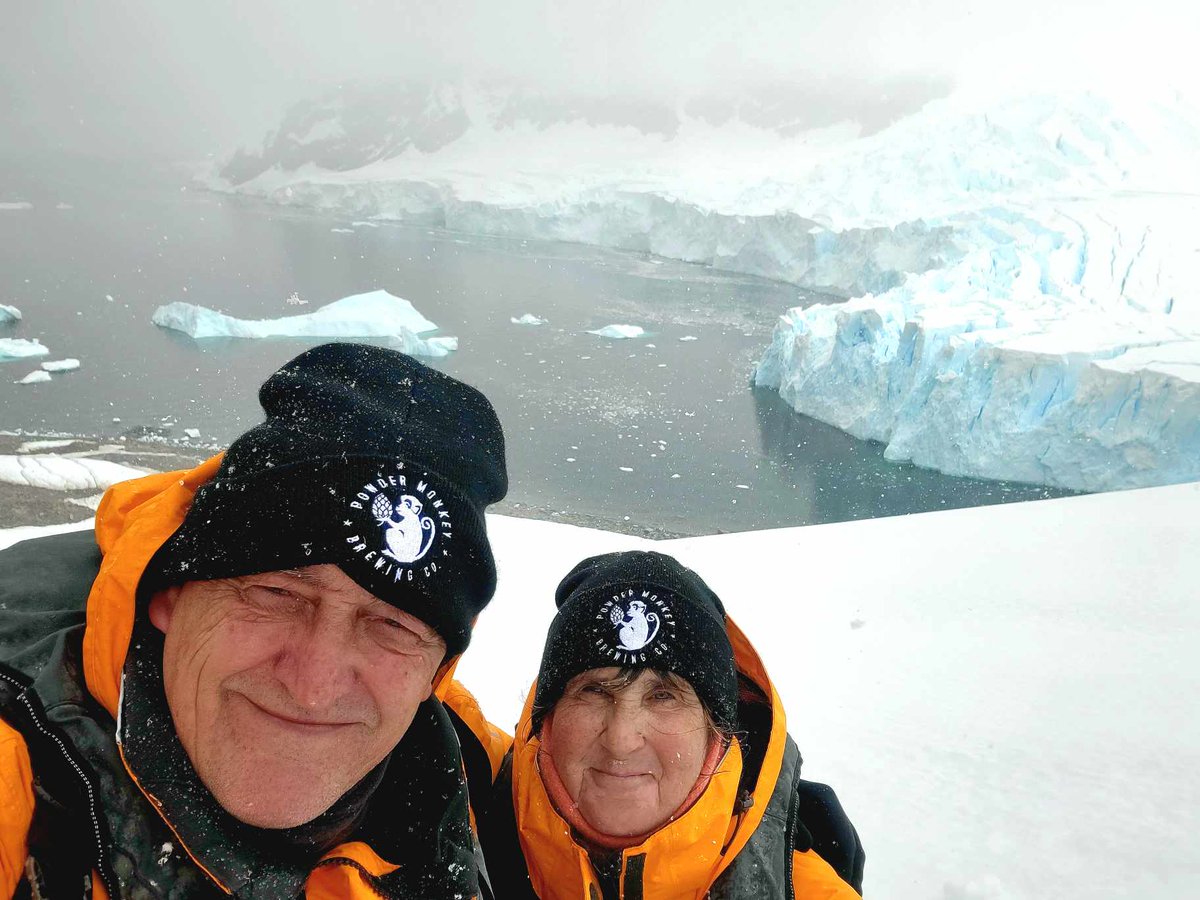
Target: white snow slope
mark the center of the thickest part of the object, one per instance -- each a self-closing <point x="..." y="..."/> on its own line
<point x="1024" y="268"/>
<point x="1004" y="699"/>
<point x="373" y="314"/>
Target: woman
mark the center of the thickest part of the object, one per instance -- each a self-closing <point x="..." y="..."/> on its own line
<point x="652" y="760"/>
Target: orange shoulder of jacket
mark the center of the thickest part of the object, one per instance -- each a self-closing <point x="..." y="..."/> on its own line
<point x="16" y="807"/>
<point x="495" y="741"/>
<point x="814" y="879"/>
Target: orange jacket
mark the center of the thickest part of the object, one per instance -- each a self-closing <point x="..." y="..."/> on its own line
<point x="697" y="852"/>
<point x="133" y="520"/>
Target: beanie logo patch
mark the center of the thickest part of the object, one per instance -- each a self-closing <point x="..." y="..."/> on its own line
<point x="629" y="627"/>
<point x="407" y="516"/>
<point x="407" y="533"/>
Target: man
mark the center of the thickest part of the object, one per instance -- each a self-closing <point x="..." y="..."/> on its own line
<point x="246" y="688"/>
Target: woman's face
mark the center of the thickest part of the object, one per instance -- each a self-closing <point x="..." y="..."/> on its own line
<point x="628" y="756"/>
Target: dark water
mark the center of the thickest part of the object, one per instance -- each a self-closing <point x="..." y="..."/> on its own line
<point x="655" y="433"/>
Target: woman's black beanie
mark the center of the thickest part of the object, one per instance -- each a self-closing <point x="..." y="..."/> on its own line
<point x="639" y="609"/>
<point x="369" y="460"/>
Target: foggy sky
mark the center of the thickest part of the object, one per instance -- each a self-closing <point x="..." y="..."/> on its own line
<point x="136" y="77"/>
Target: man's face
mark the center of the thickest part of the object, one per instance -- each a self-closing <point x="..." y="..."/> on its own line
<point x="286" y="688"/>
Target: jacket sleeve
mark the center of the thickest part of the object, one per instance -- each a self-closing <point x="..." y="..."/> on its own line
<point x="814" y="879"/>
<point x="16" y="808"/>
<point x="824" y="827"/>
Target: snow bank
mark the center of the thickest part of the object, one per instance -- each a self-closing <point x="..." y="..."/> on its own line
<point x="971" y="699"/>
<point x="62" y="473"/>
<point x="619" y="332"/>
<point x="9" y="314"/>
<point x="375" y="314"/>
<point x="19" y="348"/>
<point x="61" y="365"/>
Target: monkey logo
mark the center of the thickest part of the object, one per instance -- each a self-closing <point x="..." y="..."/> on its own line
<point x="406" y="533"/>
<point x="635" y="627"/>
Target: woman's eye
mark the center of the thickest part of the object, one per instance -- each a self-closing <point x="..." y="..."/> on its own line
<point x="593" y="690"/>
<point x="663" y="696"/>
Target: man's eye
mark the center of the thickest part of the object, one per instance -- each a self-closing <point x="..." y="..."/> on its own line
<point x="594" y="690"/>
<point x="271" y="597"/>
<point x="663" y="696"/>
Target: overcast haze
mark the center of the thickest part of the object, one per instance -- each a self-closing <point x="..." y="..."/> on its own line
<point x="185" y="80"/>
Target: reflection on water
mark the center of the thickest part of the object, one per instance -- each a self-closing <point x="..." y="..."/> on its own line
<point x="837" y="477"/>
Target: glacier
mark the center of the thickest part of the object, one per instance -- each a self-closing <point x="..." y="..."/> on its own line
<point x="375" y="314"/>
<point x="1020" y="271"/>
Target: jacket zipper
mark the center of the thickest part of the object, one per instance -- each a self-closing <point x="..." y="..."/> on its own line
<point x="101" y="866"/>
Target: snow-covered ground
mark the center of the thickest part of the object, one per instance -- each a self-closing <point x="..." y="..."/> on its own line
<point x="1025" y="267"/>
<point x="1004" y="697"/>
<point x="374" y="314"/>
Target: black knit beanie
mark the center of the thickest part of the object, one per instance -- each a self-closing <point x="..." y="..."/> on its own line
<point x="368" y="460"/>
<point x="639" y="610"/>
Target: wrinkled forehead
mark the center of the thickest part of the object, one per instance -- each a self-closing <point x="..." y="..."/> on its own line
<point x="328" y="581"/>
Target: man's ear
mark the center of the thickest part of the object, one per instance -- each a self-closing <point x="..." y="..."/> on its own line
<point x="162" y="607"/>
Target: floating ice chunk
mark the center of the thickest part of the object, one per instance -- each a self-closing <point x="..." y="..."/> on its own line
<point x="59" y="473"/>
<point x="689" y="337"/>
<point x="15" y="204"/>
<point x="63" y="206"/>
<point x="342" y="230"/>
<point x="375" y="314"/>
<point x="9" y="314"/>
<point x="34" y="446"/>
<point x="619" y="332"/>
<point x="434" y="347"/>
<point x="61" y="365"/>
<point x="293" y="299"/>
<point x="108" y="297"/>
<point x="19" y="348"/>
<point x="192" y="432"/>
<point x="35" y="377"/>
<point x="528" y="319"/>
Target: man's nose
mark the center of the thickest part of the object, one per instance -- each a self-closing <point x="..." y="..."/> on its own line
<point x="318" y="665"/>
<point x="624" y="729"/>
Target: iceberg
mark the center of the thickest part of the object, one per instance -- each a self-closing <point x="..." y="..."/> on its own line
<point x="19" y="348"/>
<point x="61" y="365"/>
<point x="376" y="314"/>
<point x="9" y="314"/>
<point x="37" y="376"/>
<point x="619" y="332"/>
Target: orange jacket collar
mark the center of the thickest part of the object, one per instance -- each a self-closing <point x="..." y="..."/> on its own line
<point x="134" y="519"/>
<point x="687" y="851"/>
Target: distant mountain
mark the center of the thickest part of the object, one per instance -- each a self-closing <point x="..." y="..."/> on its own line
<point x="358" y="125"/>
